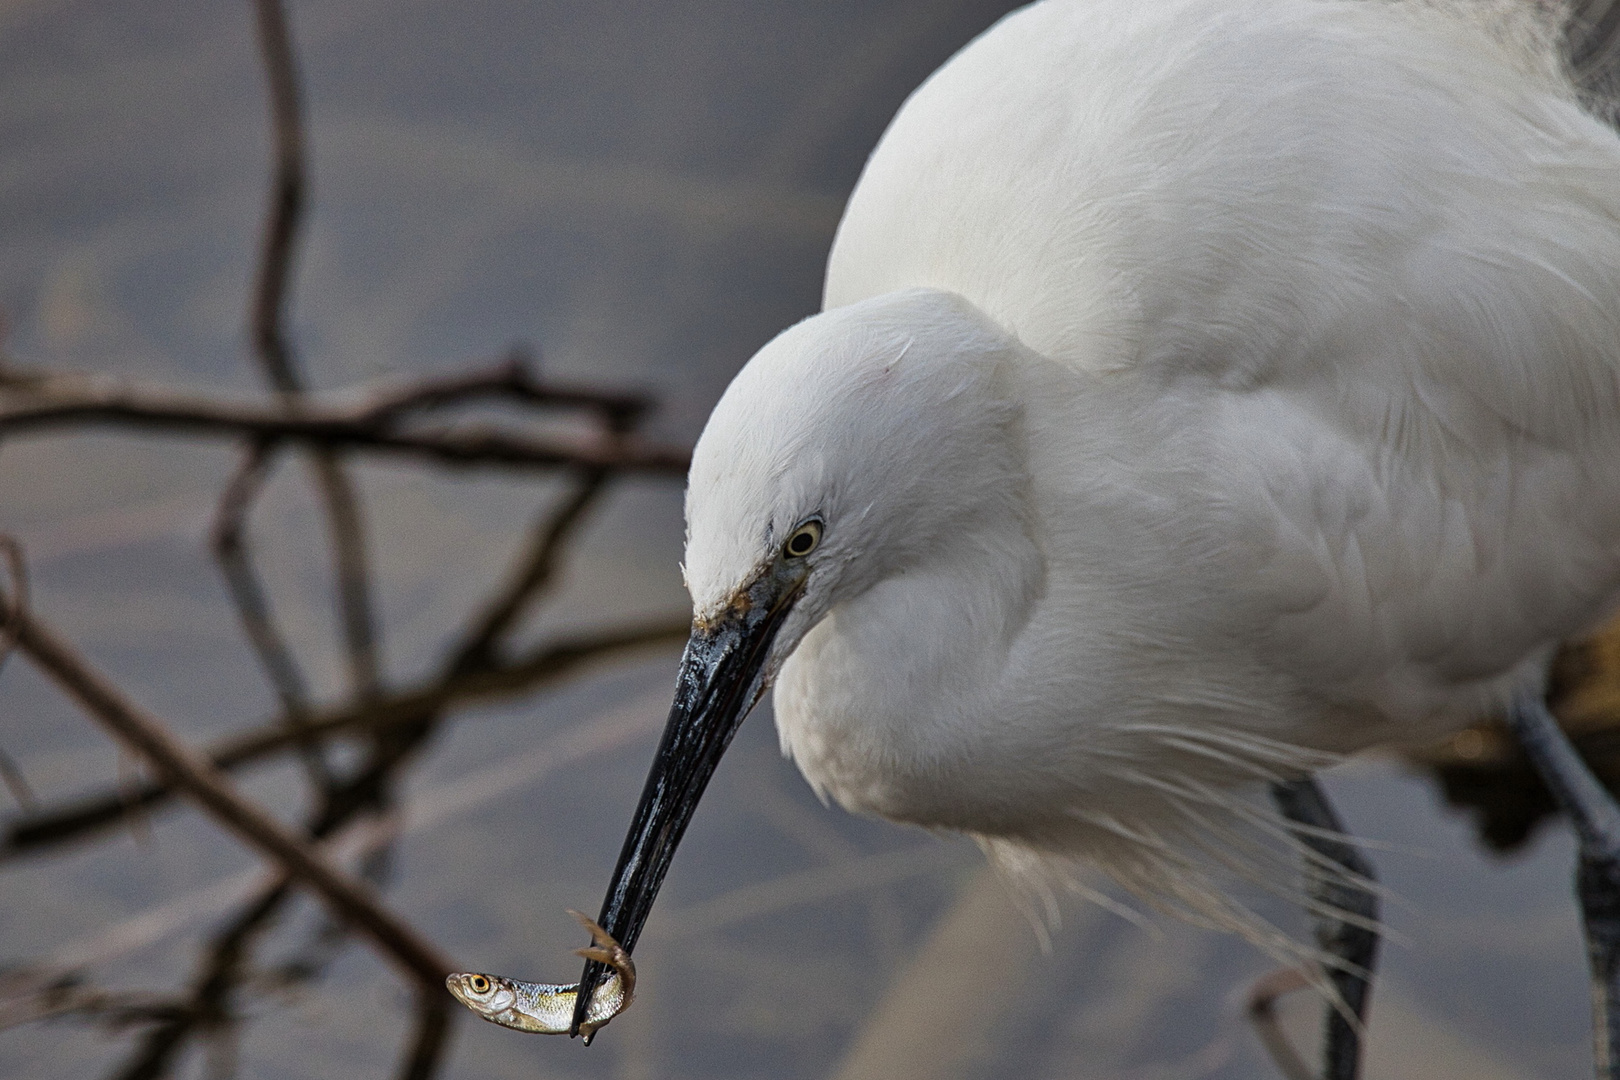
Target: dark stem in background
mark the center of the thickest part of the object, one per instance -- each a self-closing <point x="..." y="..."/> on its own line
<point x="196" y="776"/>
<point x="79" y="819"/>
<point x="208" y="1011"/>
<point x="210" y="1006"/>
<point x="287" y="192"/>
<point x="11" y="773"/>
<point x="428" y="1041"/>
<point x="62" y="402"/>
<point x="482" y="661"/>
<point x="282" y="223"/>
<point x="230" y="546"/>
<point x="533" y="573"/>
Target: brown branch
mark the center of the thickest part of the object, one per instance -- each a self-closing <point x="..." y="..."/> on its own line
<point x="193" y="773"/>
<point x="35" y="832"/>
<point x="325" y="426"/>
<point x="396" y="726"/>
<point x="72" y="997"/>
<point x="346" y="528"/>
<point x="533" y="572"/>
<point x="11" y="773"/>
<point x="16" y="782"/>
<point x="229" y="543"/>
<point x="268" y="319"/>
<point x="17" y="570"/>
<point x="430" y="1039"/>
<point x="287" y="193"/>
<point x="209" y="1013"/>
<point x="511" y="379"/>
<point x="209" y="1003"/>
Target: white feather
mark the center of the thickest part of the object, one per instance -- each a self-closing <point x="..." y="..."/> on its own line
<point x="1206" y="388"/>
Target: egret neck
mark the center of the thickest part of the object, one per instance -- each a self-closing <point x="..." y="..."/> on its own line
<point x="853" y="468"/>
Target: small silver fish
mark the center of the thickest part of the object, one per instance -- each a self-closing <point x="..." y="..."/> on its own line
<point x="548" y="1008"/>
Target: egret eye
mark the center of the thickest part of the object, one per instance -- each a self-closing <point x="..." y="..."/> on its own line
<point x="479" y="984"/>
<point x="803" y="541"/>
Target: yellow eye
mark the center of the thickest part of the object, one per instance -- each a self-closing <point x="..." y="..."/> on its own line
<point x="479" y="984"/>
<point x="803" y="541"/>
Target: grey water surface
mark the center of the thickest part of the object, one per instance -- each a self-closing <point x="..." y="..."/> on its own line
<point x="646" y="192"/>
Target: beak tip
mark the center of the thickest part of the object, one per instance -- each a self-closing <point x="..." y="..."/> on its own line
<point x="722" y="675"/>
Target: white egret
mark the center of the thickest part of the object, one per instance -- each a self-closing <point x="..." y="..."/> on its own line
<point x="1205" y="388"/>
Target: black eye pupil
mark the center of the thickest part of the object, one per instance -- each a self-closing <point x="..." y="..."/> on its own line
<point x="802" y="543"/>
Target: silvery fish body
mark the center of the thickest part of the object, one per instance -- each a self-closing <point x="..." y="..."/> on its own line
<point x="548" y="1008"/>
<point x="543" y="1008"/>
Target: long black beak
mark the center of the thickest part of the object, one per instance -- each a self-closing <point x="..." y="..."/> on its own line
<point x="722" y="676"/>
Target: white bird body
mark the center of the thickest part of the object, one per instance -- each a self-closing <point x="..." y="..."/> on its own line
<point x="1204" y="387"/>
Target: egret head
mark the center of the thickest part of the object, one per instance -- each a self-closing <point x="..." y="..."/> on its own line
<point x="851" y="446"/>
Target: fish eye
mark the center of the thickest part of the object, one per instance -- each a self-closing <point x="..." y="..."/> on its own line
<point x="804" y="540"/>
<point x="479" y="984"/>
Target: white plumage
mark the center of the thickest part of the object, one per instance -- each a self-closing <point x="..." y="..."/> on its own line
<point x="1206" y="387"/>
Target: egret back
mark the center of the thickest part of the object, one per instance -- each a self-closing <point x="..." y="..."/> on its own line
<point x="1317" y="356"/>
<point x="1345" y="275"/>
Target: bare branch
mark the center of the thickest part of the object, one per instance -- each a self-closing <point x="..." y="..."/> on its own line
<point x="532" y="574"/>
<point x="209" y="1003"/>
<point x="429" y="1041"/>
<point x="229" y="543"/>
<point x="72" y="997"/>
<point x="209" y="1013"/>
<point x="389" y="420"/>
<point x="269" y="316"/>
<point x="11" y="773"/>
<point x="354" y="840"/>
<point x="16" y="782"/>
<point x="511" y="379"/>
<point x="287" y="193"/>
<point x="36" y="832"/>
<point x="17" y="570"/>
<point x="111" y="404"/>
<point x="197" y="777"/>
<point x="347" y="529"/>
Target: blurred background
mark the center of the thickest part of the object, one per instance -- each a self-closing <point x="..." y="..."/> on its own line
<point x="645" y="194"/>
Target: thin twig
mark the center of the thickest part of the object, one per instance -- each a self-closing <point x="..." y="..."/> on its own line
<point x="11" y="773"/>
<point x="514" y="379"/>
<point x="511" y="378"/>
<point x="198" y="778"/>
<point x="16" y="782"/>
<point x="209" y="1004"/>
<point x="431" y="808"/>
<point x="315" y="425"/>
<point x="533" y="572"/>
<point x="17" y="591"/>
<point x="39" y="831"/>
<point x="430" y="1038"/>
<point x="346" y="527"/>
<point x="287" y="194"/>
<point x="72" y="997"/>
<point x="394" y="726"/>
<point x="209" y="1013"/>
<point x="228" y="539"/>
<point x="269" y="318"/>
